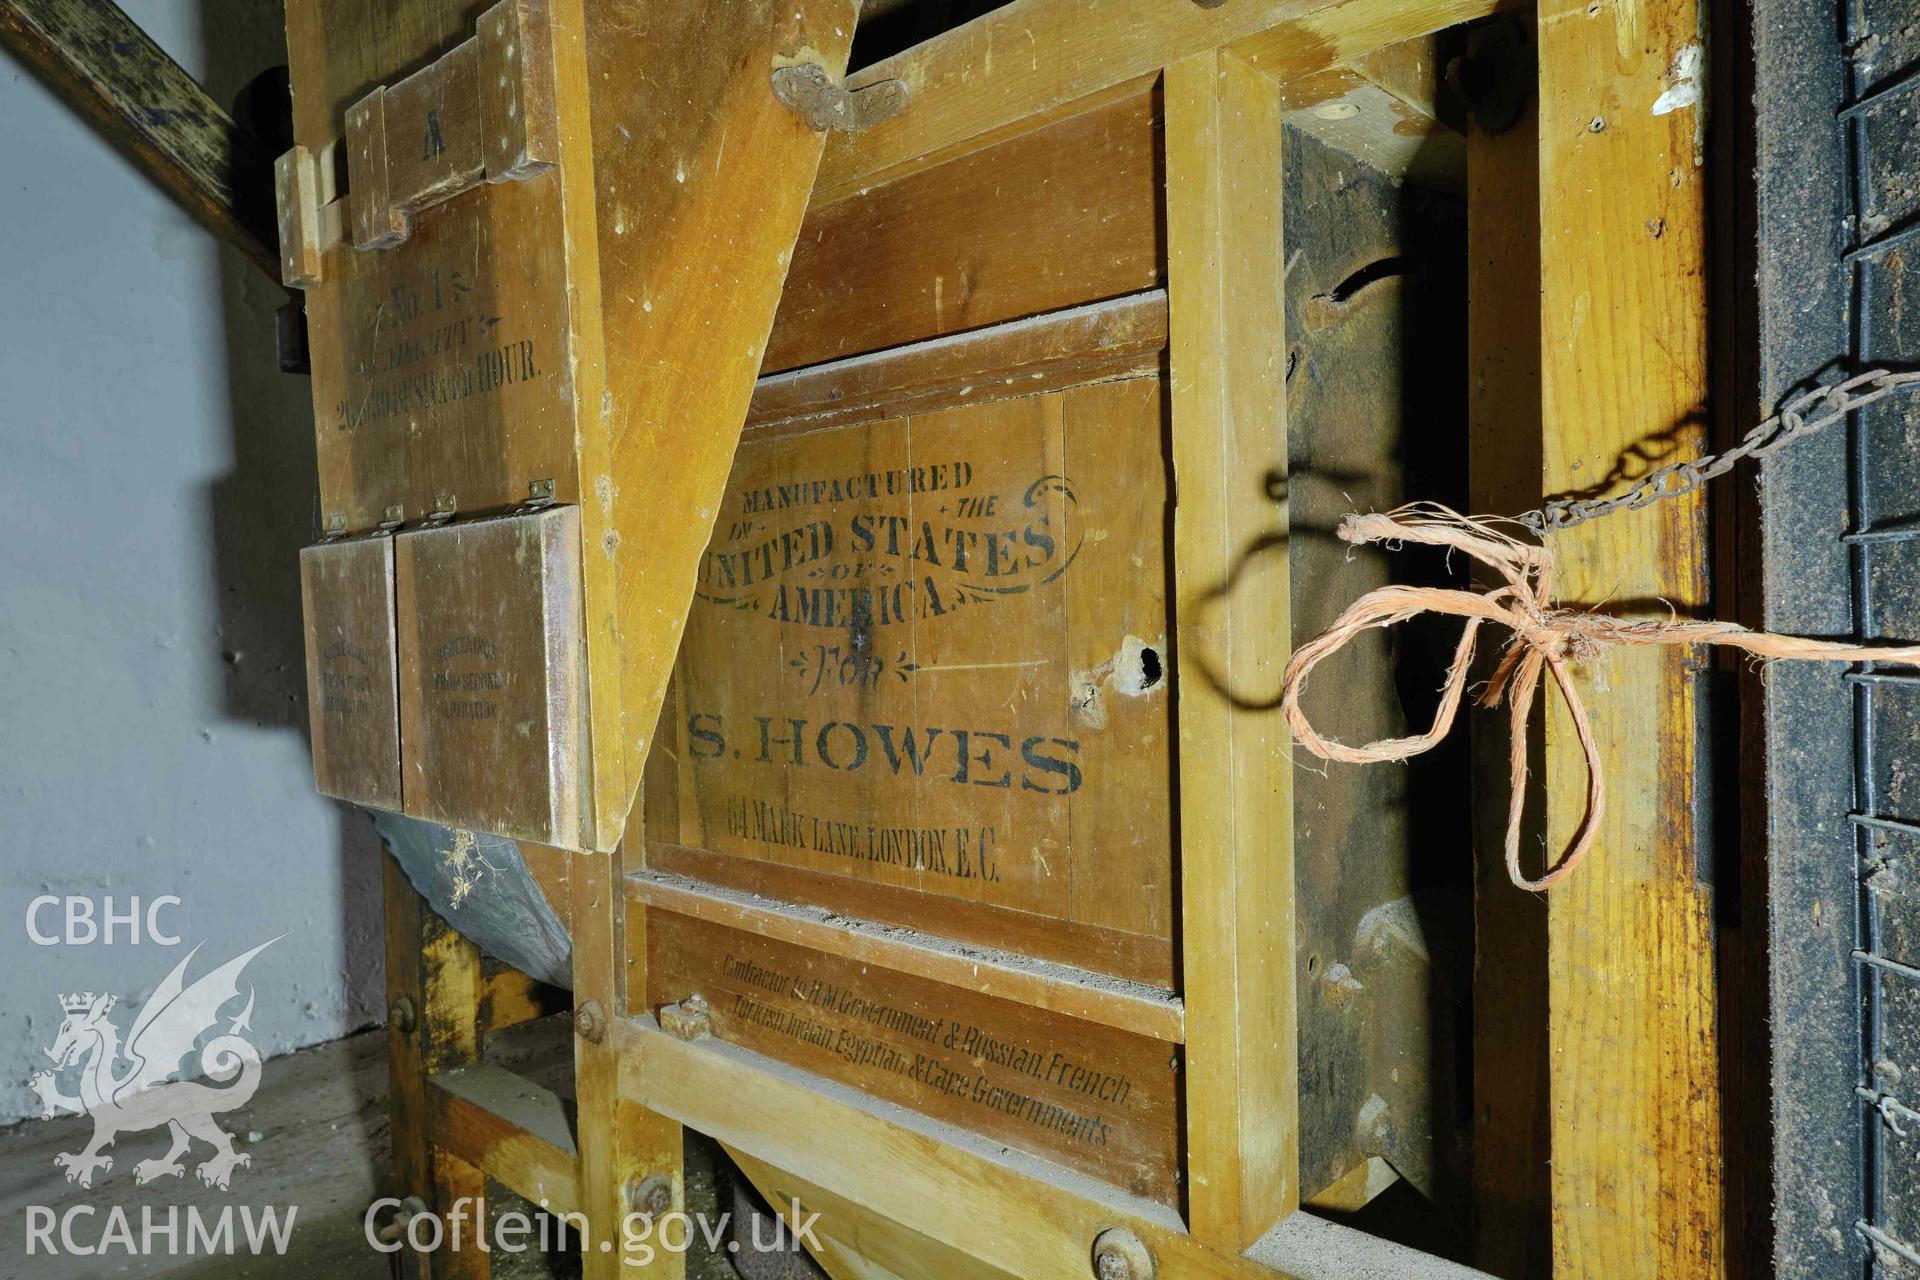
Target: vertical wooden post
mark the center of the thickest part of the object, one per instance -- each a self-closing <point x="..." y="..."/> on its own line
<point x="620" y="1144"/>
<point x="1637" y="1177"/>
<point x="1512" y="1227"/>
<point x="433" y="1001"/>
<point x="460" y="1196"/>
<point x="1227" y="351"/>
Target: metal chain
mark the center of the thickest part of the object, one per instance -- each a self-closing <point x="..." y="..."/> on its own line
<point x="1792" y="422"/>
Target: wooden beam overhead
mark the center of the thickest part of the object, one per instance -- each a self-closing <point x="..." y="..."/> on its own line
<point x="1016" y="66"/>
<point x="109" y="70"/>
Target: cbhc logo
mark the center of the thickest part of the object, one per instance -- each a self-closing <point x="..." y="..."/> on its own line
<point x="86" y="922"/>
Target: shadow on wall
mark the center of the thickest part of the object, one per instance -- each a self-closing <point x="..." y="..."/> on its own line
<point x="266" y="507"/>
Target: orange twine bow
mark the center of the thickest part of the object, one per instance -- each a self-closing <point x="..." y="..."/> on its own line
<point x="1543" y="636"/>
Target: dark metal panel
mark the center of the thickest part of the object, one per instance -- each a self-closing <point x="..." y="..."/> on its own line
<point x="1837" y="192"/>
<point x="481" y="886"/>
<point x="1375" y="404"/>
<point x="1804" y="509"/>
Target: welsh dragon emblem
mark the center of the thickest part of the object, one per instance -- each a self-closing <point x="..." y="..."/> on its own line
<point x="145" y="1093"/>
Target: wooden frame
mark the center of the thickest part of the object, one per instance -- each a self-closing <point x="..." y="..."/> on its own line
<point x="1227" y="337"/>
<point x="1632" y="996"/>
<point x="1620" y="331"/>
<point x="456" y="1120"/>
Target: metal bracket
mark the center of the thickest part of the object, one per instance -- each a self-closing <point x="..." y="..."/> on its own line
<point x="691" y="1019"/>
<point x="825" y="104"/>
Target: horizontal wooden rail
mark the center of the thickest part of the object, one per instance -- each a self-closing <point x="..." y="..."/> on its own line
<point x="511" y="1129"/>
<point x="952" y="1187"/>
<point x="1053" y="57"/>
<point x="1114" y="338"/>
<point x="1108" y="1001"/>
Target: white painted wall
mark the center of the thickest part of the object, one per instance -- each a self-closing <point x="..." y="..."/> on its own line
<point x="156" y="482"/>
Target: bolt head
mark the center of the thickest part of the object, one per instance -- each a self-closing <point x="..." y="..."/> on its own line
<point x="651" y="1196"/>
<point x="1118" y="1254"/>
<point x="401" y="1017"/>
<point x="590" y="1022"/>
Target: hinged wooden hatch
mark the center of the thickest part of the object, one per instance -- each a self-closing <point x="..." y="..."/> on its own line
<point x="541" y="251"/>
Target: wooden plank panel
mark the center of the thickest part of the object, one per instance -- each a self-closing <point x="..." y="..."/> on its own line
<point x="550" y="868"/>
<point x="510" y="1129"/>
<point x="297" y="189"/>
<point x="433" y="130"/>
<point x="1089" y="1097"/>
<point x="1101" y="951"/>
<point x="1007" y="1210"/>
<point x="1134" y="1007"/>
<point x="518" y="116"/>
<point x="699" y="180"/>
<point x="1063" y="215"/>
<point x="433" y="978"/>
<point x="405" y="916"/>
<point x="1126" y="733"/>
<point x="377" y="223"/>
<point x="1119" y="337"/>
<point x="442" y="368"/>
<point x="460" y="1198"/>
<point x="1637" y="1179"/>
<point x="1035" y="58"/>
<point x="1227" y="301"/>
<point x="338" y="50"/>
<point x="490" y="697"/>
<point x="1348" y="30"/>
<point x="346" y="597"/>
<point x="927" y="654"/>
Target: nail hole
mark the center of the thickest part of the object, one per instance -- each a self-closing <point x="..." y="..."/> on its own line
<point x="1150" y="668"/>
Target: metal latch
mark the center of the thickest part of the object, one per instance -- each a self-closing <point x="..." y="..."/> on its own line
<point x="826" y="104"/>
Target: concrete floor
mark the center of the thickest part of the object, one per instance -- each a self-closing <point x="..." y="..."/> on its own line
<point x="316" y="1131"/>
